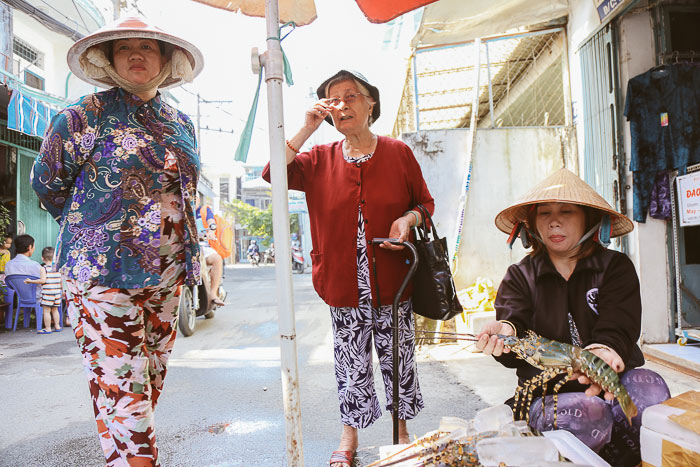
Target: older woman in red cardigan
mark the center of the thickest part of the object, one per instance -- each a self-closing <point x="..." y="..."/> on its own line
<point x="359" y="188"/>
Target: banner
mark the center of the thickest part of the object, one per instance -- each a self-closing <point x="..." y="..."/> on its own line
<point x="689" y="199"/>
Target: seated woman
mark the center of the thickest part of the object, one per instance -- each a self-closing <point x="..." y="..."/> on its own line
<point x="573" y="290"/>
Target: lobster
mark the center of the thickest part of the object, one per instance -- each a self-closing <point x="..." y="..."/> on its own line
<point x="555" y="358"/>
<point x="439" y="449"/>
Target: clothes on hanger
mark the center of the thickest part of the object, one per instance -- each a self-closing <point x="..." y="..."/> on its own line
<point x="662" y="108"/>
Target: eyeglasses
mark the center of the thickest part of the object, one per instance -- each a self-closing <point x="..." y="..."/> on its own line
<point x="348" y="99"/>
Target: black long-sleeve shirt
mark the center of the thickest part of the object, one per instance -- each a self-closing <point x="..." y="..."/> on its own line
<point x="602" y="295"/>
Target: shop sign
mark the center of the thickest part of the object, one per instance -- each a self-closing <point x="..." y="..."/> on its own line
<point x="689" y="198"/>
<point x="297" y="206"/>
<point x="606" y="7"/>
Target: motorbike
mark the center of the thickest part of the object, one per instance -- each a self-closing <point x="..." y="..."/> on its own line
<point x="194" y="301"/>
<point x="254" y="258"/>
<point x="269" y="256"/>
<point x="297" y="258"/>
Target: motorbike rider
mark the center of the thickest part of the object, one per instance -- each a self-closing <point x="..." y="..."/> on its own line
<point x="270" y="253"/>
<point x="253" y="250"/>
<point x="212" y="258"/>
<point x="297" y="254"/>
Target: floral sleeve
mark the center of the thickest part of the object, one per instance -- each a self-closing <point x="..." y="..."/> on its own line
<point x="67" y="145"/>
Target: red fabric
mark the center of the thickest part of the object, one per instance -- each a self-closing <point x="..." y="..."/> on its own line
<point x="387" y="185"/>
<point x="381" y="11"/>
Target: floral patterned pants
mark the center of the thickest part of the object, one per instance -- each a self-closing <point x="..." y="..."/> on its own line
<point x="126" y="337"/>
<point x="353" y="330"/>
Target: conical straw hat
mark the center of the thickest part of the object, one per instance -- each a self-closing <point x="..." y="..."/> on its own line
<point x="126" y="28"/>
<point x="563" y="186"/>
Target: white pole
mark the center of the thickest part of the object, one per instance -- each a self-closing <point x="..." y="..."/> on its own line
<point x="273" y="64"/>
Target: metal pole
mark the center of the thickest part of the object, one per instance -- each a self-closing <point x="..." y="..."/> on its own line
<point x="273" y="64"/>
<point x="199" y="126"/>
<point x="415" y="92"/>
<point x="566" y="79"/>
<point x="488" y="72"/>
<point x="116" y="8"/>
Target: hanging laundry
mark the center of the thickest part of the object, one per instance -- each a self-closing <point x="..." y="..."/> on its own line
<point x="662" y="108"/>
<point x="660" y="204"/>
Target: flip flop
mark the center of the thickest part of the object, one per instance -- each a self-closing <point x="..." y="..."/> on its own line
<point x="43" y="331"/>
<point x="58" y="330"/>
<point x="342" y="457"/>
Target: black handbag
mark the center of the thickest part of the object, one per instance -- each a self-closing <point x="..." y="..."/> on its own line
<point x="434" y="292"/>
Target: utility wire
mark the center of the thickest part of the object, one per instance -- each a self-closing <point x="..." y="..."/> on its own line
<point x="81" y="16"/>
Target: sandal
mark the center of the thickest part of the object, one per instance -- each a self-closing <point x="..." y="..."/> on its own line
<point x="342" y="457"/>
<point x="58" y="330"/>
<point x="43" y="331"/>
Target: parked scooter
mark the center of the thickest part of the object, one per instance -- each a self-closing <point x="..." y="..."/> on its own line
<point x="297" y="255"/>
<point x="194" y="301"/>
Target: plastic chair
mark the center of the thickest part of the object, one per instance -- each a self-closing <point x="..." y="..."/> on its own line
<point x="26" y="298"/>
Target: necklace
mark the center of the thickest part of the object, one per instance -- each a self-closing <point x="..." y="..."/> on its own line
<point x="355" y="153"/>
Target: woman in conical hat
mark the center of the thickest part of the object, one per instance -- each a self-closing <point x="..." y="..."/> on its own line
<point x="570" y="288"/>
<point x="118" y="170"/>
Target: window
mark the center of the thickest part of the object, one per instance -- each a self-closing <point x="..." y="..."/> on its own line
<point x="27" y="52"/>
<point x="35" y="81"/>
<point x="223" y="189"/>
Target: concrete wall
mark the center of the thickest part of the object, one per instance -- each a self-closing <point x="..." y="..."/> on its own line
<point x="636" y="55"/>
<point x="506" y="163"/>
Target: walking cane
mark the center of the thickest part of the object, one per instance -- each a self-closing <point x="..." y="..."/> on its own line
<point x="395" y="321"/>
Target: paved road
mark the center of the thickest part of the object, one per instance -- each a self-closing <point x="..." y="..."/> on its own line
<point x="222" y="404"/>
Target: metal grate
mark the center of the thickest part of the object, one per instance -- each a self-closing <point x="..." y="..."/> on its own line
<point x="17" y="139"/>
<point x="520" y="82"/>
<point x="28" y="52"/>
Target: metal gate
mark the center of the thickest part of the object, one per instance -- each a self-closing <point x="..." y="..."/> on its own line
<point x="603" y="166"/>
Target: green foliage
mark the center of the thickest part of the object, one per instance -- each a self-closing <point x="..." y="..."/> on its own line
<point x="257" y="222"/>
<point x="4" y="221"/>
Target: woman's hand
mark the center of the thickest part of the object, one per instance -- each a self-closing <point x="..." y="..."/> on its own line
<point x="610" y="357"/>
<point x="400" y="229"/>
<point x="488" y="341"/>
<point x="316" y="114"/>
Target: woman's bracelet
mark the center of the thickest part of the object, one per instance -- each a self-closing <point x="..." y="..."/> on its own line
<point x="289" y="145"/>
<point x="505" y="321"/>
<point x="414" y="215"/>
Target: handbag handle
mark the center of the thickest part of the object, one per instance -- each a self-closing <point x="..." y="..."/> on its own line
<point x="425" y="228"/>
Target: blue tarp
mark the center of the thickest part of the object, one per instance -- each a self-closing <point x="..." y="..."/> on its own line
<point x="28" y="115"/>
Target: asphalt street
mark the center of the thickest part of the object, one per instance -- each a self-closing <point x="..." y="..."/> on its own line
<point x="222" y="401"/>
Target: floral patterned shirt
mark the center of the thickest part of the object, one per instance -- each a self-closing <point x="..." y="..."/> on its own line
<point x="100" y="172"/>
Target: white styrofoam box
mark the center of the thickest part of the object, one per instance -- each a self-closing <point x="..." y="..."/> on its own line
<point x="655" y="418"/>
<point x="574" y="449"/>
<point x="651" y="442"/>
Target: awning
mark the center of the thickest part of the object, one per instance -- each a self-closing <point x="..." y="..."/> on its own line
<point x="28" y="115"/>
<point x="303" y="12"/>
<point x="453" y="21"/>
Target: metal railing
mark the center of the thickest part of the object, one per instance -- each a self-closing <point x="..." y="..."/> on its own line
<point x="520" y="84"/>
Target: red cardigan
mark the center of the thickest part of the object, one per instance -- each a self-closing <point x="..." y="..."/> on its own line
<point x="386" y="186"/>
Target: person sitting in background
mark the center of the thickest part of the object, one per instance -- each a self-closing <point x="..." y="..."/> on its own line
<point x="5" y="254"/>
<point x="206" y="226"/>
<point x="51" y="292"/>
<point x="22" y="264"/>
<point x="573" y="290"/>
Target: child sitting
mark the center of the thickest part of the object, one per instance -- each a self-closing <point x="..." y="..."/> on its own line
<point x="50" y="291"/>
